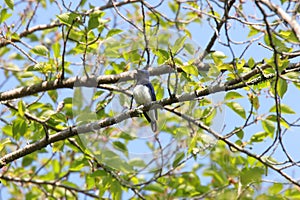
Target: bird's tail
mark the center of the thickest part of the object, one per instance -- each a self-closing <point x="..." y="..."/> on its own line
<point x="154" y="126"/>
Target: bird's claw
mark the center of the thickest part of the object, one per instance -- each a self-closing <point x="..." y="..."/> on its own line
<point x="139" y="109"/>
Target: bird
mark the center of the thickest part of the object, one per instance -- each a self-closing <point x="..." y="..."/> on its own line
<point x="143" y="93"/>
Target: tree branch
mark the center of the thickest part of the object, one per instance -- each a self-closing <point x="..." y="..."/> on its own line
<point x="93" y="81"/>
<point x="94" y="126"/>
<point x="52" y="183"/>
<point x="287" y="18"/>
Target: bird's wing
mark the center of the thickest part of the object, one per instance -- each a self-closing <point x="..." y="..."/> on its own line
<point x="153" y="97"/>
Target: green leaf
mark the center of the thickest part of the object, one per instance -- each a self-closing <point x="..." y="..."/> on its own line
<point x="258" y="137"/>
<point x="162" y="55"/>
<point x="155" y="188"/>
<point x="178" y="158"/>
<point x="4" y="15"/>
<point x="273" y="118"/>
<point x="77" y="165"/>
<point x="27" y="160"/>
<point x="251" y="175"/>
<point x="10" y="4"/>
<point x="116" y="190"/>
<point x="21" y="108"/>
<point x="237" y="108"/>
<point x="19" y="128"/>
<point x="254" y="100"/>
<point x="113" y="32"/>
<point x="276" y="188"/>
<point x="281" y="87"/>
<point x="178" y="44"/>
<point x="93" y="23"/>
<point x="137" y="162"/>
<point x="233" y="95"/>
<point x="190" y="69"/>
<point x="251" y="62"/>
<point x="120" y="146"/>
<point x="268" y="126"/>
<point x="15" y="36"/>
<point x="58" y="146"/>
<point x="240" y="63"/>
<point x="40" y="50"/>
<point x="4" y="142"/>
<point x="56" y="49"/>
<point x="219" y="54"/>
<point x="67" y="18"/>
<point x="252" y="31"/>
<point x="189" y="48"/>
<point x="285" y="109"/>
<point x="53" y="95"/>
<point x="218" y="179"/>
<point x="240" y="133"/>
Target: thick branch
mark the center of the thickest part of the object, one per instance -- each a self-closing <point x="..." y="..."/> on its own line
<point x="109" y="79"/>
<point x="94" y="126"/>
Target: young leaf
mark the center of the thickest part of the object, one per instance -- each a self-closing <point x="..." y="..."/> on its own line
<point x="40" y="50"/>
<point x="268" y="126"/>
<point x="178" y="44"/>
<point x="237" y="108"/>
<point x="4" y="15"/>
<point x="113" y="32"/>
<point x="190" y="69"/>
<point x="10" y="4"/>
<point x="56" y="49"/>
<point x="281" y="87"/>
<point x="251" y="175"/>
<point x="233" y="95"/>
<point x="251" y="62"/>
<point x="218" y="54"/>
<point x="67" y="18"/>
<point x="179" y="157"/>
<point x="21" y="108"/>
<point x="254" y="100"/>
<point x="258" y="137"/>
<point x="285" y="109"/>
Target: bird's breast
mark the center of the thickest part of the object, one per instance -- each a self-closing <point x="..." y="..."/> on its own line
<point x="142" y="94"/>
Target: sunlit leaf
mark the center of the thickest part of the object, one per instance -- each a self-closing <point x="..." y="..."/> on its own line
<point x="258" y="137"/>
<point x="155" y="188"/>
<point x="190" y="69"/>
<point x="68" y="18"/>
<point x="237" y="108"/>
<point x="4" y="15"/>
<point x="282" y="87"/>
<point x="56" y="49"/>
<point x="232" y="95"/>
<point x="284" y="109"/>
<point x="10" y="3"/>
<point x="113" y="32"/>
<point x="178" y="44"/>
<point x="251" y="175"/>
<point x="40" y="50"/>
<point x="21" y="108"/>
<point x="268" y="126"/>
<point x="251" y="62"/>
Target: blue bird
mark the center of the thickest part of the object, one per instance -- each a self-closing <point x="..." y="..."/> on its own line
<point x="143" y="93"/>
